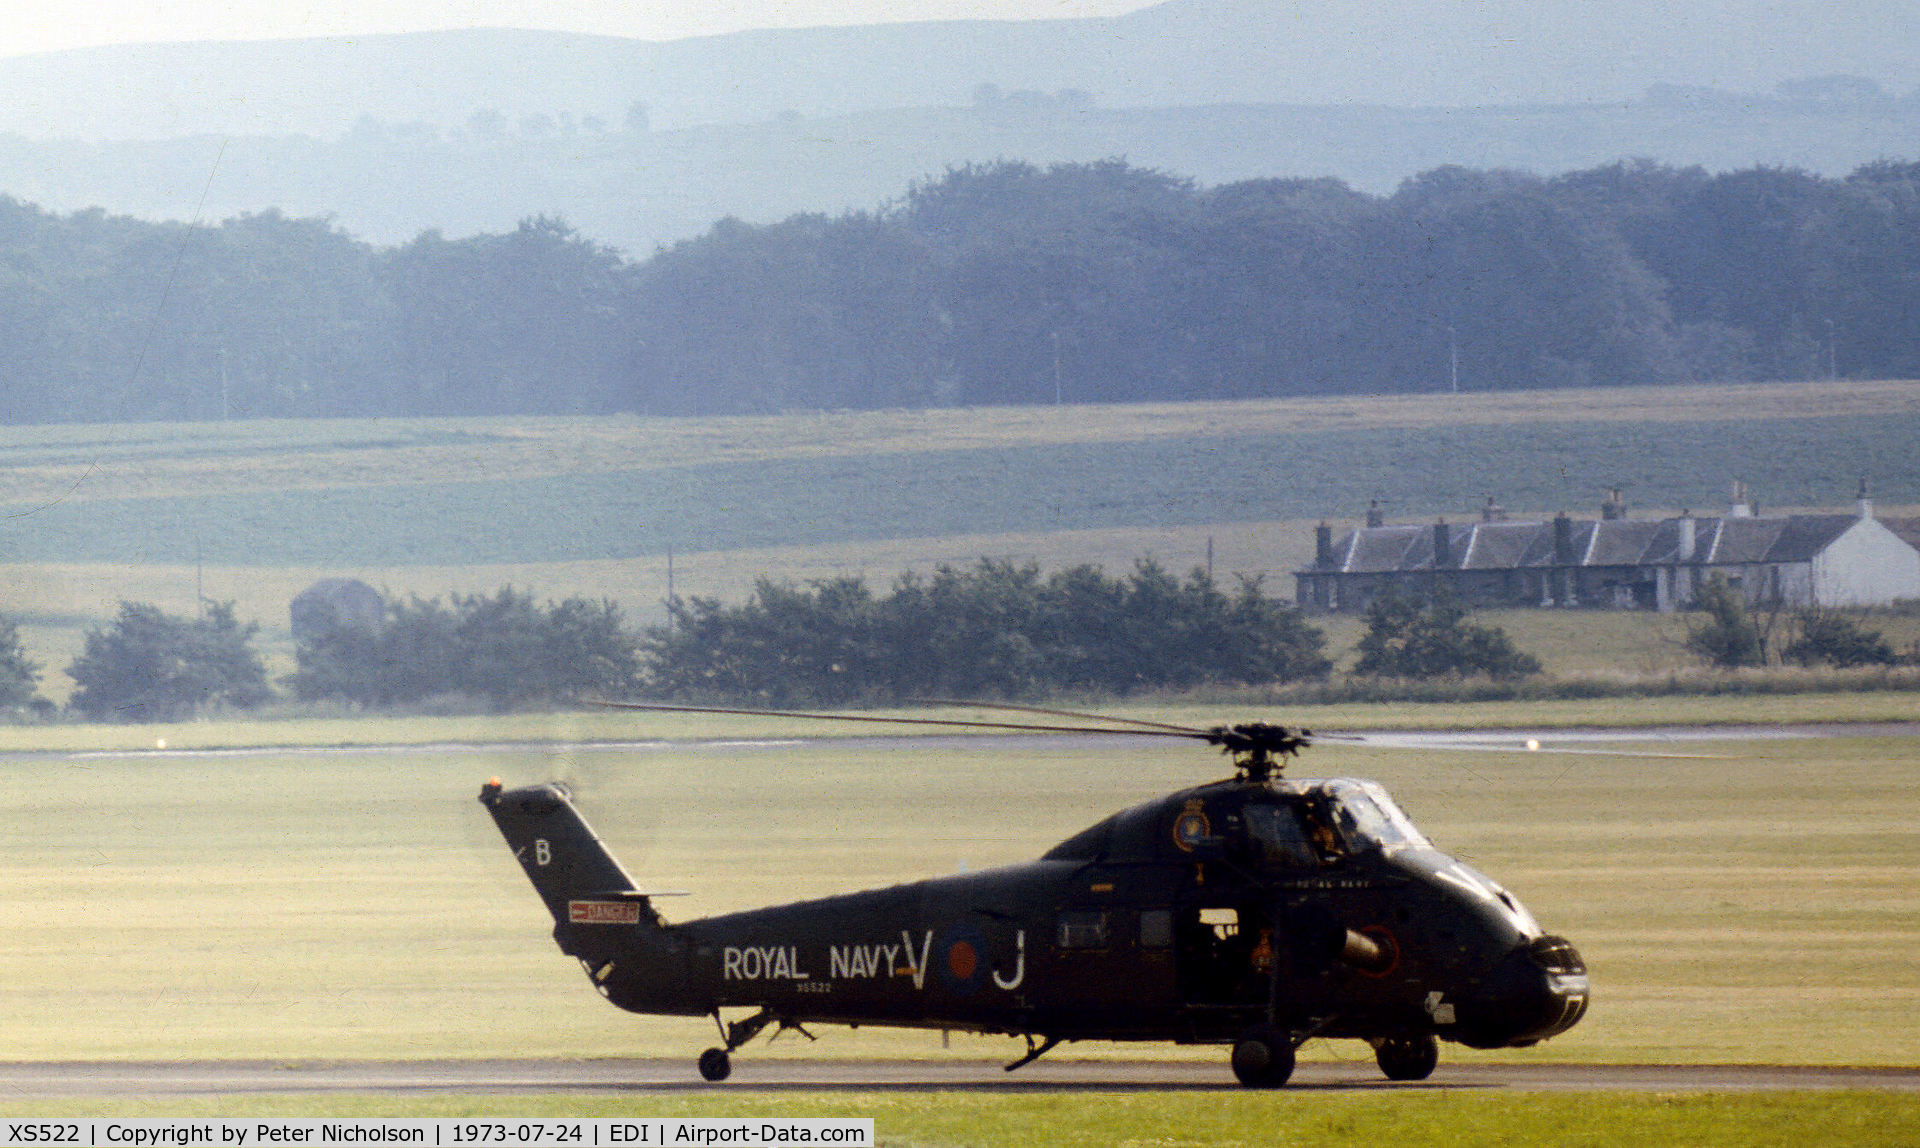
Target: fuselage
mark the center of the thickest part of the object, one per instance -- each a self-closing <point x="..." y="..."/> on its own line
<point x="1312" y="906"/>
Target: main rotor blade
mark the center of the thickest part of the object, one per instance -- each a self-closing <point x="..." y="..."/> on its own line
<point x="1142" y="722"/>
<point x="951" y="723"/>
<point x="1505" y="743"/>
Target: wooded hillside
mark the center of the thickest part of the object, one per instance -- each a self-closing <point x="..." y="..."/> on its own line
<point x="997" y="284"/>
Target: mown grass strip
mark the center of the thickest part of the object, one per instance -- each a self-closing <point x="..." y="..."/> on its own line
<point x="602" y="726"/>
<point x="1227" y="1119"/>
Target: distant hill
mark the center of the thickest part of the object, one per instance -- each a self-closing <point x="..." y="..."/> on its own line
<point x="1446" y="53"/>
<point x="639" y="143"/>
<point x="635" y="190"/>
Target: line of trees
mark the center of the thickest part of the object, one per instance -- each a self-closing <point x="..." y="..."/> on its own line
<point x="149" y="665"/>
<point x="997" y="283"/>
<point x="1729" y="632"/>
<point x="19" y="674"/>
<point x="1422" y="639"/>
<point x="995" y="630"/>
<point x="505" y="650"/>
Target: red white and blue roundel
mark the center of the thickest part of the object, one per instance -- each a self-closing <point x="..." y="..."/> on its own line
<point x="961" y="959"/>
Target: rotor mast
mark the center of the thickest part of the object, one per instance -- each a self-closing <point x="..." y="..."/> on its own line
<point x="1259" y="749"/>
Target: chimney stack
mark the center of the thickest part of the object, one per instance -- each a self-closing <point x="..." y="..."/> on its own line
<point x="1375" y="517"/>
<point x="1686" y="525"/>
<point x="1614" y="508"/>
<point x="1741" y="508"/>
<point x="1865" y="499"/>
<point x="1442" y="545"/>
<point x="1562" y="539"/>
<point x="1323" y="546"/>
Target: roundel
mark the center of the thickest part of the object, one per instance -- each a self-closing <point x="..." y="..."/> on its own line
<point x="962" y="960"/>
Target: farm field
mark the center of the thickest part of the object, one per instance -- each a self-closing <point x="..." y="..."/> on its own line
<point x="254" y="512"/>
<point x="478" y="516"/>
<point x="91" y="461"/>
<point x="288" y="903"/>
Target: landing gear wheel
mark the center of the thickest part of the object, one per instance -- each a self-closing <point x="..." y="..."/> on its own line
<point x="715" y="1065"/>
<point x="1408" y="1057"/>
<point x="1263" y="1058"/>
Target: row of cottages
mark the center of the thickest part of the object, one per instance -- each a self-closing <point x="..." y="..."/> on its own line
<point x="1618" y="562"/>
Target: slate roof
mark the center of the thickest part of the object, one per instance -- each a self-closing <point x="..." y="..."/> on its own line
<point x="1624" y="542"/>
<point x="1617" y="542"/>
<point x="1495" y="545"/>
<point x="1908" y="529"/>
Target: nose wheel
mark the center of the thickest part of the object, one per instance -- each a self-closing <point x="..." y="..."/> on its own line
<point x="1408" y="1057"/>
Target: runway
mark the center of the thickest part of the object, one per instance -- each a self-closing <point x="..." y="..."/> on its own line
<point x="134" y="1079"/>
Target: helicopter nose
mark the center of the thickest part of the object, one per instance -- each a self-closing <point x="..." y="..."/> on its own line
<point x="1537" y="990"/>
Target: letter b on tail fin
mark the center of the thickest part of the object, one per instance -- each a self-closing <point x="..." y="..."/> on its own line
<point x="554" y="844"/>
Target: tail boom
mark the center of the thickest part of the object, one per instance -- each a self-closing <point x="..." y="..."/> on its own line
<point x="599" y="915"/>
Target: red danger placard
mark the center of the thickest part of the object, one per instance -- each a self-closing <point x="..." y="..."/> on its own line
<point x="603" y="912"/>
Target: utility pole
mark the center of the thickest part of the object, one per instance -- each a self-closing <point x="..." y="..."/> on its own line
<point x="1056" y="367"/>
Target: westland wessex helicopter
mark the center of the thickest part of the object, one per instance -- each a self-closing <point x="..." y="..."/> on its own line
<point x="1257" y="912"/>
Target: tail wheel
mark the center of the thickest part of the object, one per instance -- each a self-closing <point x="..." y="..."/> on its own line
<point x="715" y="1065"/>
<point x="1263" y="1058"/>
<point x="1408" y="1057"/>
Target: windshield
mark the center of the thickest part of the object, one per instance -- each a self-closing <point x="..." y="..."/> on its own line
<point x="1366" y="815"/>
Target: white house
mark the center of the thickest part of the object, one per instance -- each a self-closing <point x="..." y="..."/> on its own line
<point x="1618" y="562"/>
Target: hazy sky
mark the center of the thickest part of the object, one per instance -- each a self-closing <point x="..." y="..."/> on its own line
<point x="50" y="25"/>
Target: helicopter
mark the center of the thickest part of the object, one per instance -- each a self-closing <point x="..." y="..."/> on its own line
<point x="1255" y="912"/>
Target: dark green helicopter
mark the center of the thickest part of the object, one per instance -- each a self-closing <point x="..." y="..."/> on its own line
<point x="1256" y="912"/>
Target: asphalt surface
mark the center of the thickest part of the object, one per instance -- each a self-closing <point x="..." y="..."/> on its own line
<point x="54" y="1080"/>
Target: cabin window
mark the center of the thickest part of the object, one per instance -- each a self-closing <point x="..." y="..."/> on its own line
<point x="1277" y="833"/>
<point x="1083" y="929"/>
<point x="1156" y="928"/>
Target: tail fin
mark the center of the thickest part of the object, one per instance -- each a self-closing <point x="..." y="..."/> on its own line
<point x="563" y="858"/>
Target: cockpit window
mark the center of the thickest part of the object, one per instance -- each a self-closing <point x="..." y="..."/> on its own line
<point x="1277" y="831"/>
<point x="1366" y="815"/>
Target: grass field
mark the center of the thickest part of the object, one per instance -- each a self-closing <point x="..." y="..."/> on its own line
<point x="1217" y="1120"/>
<point x="254" y="512"/>
<point x="484" y="516"/>
<point x="47" y="463"/>
<point x="346" y="903"/>
<point x="315" y="903"/>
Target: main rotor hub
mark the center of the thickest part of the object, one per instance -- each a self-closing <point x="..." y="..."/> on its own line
<point x="1259" y="748"/>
